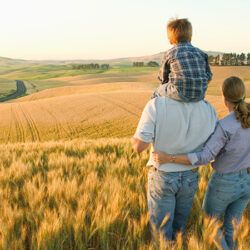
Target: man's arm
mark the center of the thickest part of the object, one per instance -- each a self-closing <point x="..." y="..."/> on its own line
<point x="139" y="145"/>
<point x="145" y="131"/>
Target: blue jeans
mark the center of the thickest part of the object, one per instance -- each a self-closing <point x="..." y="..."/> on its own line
<point x="226" y="198"/>
<point x="171" y="195"/>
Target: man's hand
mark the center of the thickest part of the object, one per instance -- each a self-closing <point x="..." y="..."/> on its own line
<point x="161" y="158"/>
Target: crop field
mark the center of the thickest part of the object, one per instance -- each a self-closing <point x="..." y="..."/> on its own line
<point x="69" y="178"/>
<point x="90" y="106"/>
<point x="88" y="194"/>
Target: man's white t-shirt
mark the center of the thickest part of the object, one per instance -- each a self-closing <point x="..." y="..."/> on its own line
<point x="175" y="128"/>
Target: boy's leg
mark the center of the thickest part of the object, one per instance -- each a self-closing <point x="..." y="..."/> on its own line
<point x="161" y="90"/>
<point x="172" y="92"/>
<point x="184" y="200"/>
<point x="161" y="202"/>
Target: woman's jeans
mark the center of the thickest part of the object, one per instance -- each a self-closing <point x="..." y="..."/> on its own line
<point x="226" y="198"/>
<point x="170" y="197"/>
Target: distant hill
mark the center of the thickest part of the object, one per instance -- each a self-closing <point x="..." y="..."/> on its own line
<point x="4" y="61"/>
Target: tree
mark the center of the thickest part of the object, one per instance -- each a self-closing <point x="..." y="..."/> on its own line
<point x="211" y="60"/>
<point x="105" y="66"/>
<point x="153" y="64"/>
<point x="242" y="58"/>
<point x="138" y="64"/>
<point x="217" y="60"/>
<point x="248" y="58"/>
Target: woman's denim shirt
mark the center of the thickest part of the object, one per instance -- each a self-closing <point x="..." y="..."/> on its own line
<point x="228" y="147"/>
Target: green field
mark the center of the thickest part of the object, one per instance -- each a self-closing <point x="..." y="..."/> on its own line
<point x="7" y="87"/>
<point x="39" y="77"/>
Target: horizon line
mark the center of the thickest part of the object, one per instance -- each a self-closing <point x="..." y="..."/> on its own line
<point x="108" y="59"/>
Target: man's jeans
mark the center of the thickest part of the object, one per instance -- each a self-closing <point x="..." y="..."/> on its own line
<point x="226" y="198"/>
<point x="170" y="195"/>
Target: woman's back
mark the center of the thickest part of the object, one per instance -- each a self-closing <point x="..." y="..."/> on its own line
<point x="235" y="155"/>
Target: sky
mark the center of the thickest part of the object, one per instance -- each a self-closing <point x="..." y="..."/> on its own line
<point x="104" y="29"/>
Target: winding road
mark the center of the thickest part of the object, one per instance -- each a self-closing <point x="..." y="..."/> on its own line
<point x="20" y="91"/>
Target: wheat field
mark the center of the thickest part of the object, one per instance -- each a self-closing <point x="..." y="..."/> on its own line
<point x="91" y="106"/>
<point x="69" y="178"/>
<point x="87" y="194"/>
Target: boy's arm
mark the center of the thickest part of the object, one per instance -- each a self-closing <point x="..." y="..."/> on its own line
<point x="163" y="75"/>
<point x="208" y="69"/>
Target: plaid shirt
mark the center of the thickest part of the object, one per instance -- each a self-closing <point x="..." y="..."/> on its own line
<point x="187" y="68"/>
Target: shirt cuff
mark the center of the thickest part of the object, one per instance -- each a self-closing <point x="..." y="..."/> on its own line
<point x="193" y="158"/>
<point x="145" y="137"/>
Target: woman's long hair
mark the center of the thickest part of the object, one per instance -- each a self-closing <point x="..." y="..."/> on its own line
<point x="234" y="91"/>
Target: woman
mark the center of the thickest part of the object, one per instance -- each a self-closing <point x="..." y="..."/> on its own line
<point x="174" y="127"/>
<point x="228" y="191"/>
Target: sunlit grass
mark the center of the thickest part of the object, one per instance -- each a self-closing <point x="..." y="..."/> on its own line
<point x="87" y="195"/>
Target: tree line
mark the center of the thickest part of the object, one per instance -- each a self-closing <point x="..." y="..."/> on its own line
<point x="230" y="59"/>
<point x="149" y="64"/>
<point x="91" y="66"/>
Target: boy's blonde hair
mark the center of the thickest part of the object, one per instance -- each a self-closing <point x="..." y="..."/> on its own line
<point x="179" y="30"/>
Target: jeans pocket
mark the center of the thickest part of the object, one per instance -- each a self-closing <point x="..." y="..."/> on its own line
<point x="225" y="196"/>
<point x="226" y="193"/>
<point x="192" y="183"/>
<point x="160" y="186"/>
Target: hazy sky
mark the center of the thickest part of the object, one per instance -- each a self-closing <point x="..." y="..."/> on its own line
<point x="87" y="29"/>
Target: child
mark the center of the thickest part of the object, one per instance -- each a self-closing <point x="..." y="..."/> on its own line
<point x="185" y="71"/>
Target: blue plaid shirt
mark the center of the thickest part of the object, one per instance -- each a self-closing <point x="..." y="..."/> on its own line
<point x="187" y="68"/>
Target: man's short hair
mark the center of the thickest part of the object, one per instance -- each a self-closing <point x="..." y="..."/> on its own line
<point x="179" y="30"/>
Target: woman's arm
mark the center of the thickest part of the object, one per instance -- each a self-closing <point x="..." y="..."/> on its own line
<point x="161" y="158"/>
<point x="211" y="149"/>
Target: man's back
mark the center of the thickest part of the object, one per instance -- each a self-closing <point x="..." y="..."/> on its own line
<point x="176" y="127"/>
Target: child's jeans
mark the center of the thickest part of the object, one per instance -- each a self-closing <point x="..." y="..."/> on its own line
<point x="169" y="90"/>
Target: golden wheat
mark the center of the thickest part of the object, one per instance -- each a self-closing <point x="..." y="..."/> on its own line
<point x="87" y="195"/>
<point x="92" y="106"/>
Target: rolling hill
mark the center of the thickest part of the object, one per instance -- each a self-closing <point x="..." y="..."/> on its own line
<point x="91" y="106"/>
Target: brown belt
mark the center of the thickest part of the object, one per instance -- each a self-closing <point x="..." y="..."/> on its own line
<point x="193" y="170"/>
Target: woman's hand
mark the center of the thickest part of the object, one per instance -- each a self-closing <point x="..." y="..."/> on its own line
<point x="161" y="158"/>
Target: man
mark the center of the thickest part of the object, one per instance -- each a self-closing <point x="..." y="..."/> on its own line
<point x="175" y="128"/>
